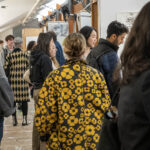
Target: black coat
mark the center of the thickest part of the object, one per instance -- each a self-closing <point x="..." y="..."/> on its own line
<point x="134" y="113"/>
<point x="41" y="66"/>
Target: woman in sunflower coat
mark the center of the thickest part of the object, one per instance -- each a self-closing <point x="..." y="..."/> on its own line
<point x="71" y="102"/>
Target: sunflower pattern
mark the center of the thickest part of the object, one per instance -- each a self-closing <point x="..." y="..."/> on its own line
<point x="70" y="107"/>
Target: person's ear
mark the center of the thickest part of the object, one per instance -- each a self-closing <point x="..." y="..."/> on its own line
<point x="113" y="37"/>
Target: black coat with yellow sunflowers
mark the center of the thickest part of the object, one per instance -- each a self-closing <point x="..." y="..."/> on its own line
<point x="70" y="106"/>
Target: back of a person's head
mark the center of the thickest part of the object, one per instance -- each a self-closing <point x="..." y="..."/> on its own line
<point x="74" y="45"/>
<point x="53" y="34"/>
<point x="86" y="32"/>
<point x="18" y="42"/>
<point x="30" y="45"/>
<point x="117" y="28"/>
<point x="136" y="54"/>
<point x="43" y="42"/>
<point x="9" y="37"/>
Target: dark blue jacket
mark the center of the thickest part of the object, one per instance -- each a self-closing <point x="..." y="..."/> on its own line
<point x="104" y="58"/>
<point x="59" y="54"/>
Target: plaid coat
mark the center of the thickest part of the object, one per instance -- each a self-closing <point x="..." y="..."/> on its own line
<point x="15" y="66"/>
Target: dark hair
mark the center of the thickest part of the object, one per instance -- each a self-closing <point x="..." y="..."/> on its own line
<point x="117" y="28"/>
<point x="1" y="41"/>
<point x="74" y="45"/>
<point x="9" y="37"/>
<point x="53" y="34"/>
<point x="43" y="43"/>
<point x="136" y="54"/>
<point x="30" y="45"/>
<point x="86" y="32"/>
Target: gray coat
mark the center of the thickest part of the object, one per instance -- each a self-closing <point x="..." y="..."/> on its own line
<point x="6" y="95"/>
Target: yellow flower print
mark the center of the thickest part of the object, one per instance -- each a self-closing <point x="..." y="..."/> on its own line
<point x="73" y="96"/>
<point x="94" y="121"/>
<point x="76" y="67"/>
<point x="54" y="137"/>
<point x="89" y="139"/>
<point x="66" y="93"/>
<point x="93" y="146"/>
<point x="66" y="116"/>
<point x="54" y="145"/>
<point x="38" y="110"/>
<point x="90" y="130"/>
<point x="98" y="93"/>
<point x="56" y="71"/>
<point x="87" y="145"/>
<point x="70" y="135"/>
<point x="98" y="128"/>
<point x="71" y="81"/>
<point x="53" y="118"/>
<point x="92" y="109"/>
<point x="51" y="89"/>
<point x="70" y="101"/>
<point x="43" y="109"/>
<point x="89" y="105"/>
<point x="43" y="127"/>
<point x="78" y="82"/>
<point x="99" y="122"/>
<point x="80" y="129"/>
<point x="63" y="84"/>
<point x="40" y="101"/>
<point x="87" y="89"/>
<point x="43" y="118"/>
<point x="96" y="78"/>
<point x="54" y="109"/>
<point x="65" y="107"/>
<point x="75" y="104"/>
<point x="81" y="121"/>
<point x="81" y="115"/>
<point x="98" y="114"/>
<point x="90" y="83"/>
<point x="60" y="100"/>
<point x="51" y="102"/>
<point x="72" y="86"/>
<point x="62" y="137"/>
<point x="72" y="121"/>
<point x="78" y="90"/>
<point x="67" y="73"/>
<point x="78" y="139"/>
<point x="80" y="100"/>
<point x="69" y="142"/>
<point x="87" y="120"/>
<point x="71" y="129"/>
<point x="87" y="77"/>
<point x="96" y="138"/>
<point x="37" y="121"/>
<point x="63" y="129"/>
<point x="93" y="91"/>
<point x="97" y="102"/>
<point x="87" y="112"/>
<point x="89" y="97"/>
<point x="73" y="111"/>
<point x="67" y="148"/>
<point x="43" y="92"/>
<point x="95" y="86"/>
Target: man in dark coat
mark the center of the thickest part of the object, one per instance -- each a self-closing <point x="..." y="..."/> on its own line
<point x="104" y="56"/>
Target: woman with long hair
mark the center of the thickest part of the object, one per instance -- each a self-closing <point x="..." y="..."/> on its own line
<point x="134" y="102"/>
<point x="40" y="67"/>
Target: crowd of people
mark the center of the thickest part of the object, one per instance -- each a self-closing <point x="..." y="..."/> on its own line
<point x="74" y="94"/>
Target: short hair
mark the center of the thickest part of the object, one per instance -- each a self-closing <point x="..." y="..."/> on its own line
<point x="9" y="37"/>
<point x="1" y="41"/>
<point x="75" y="45"/>
<point x="30" y="45"/>
<point x="86" y="32"/>
<point x="117" y="28"/>
<point x="53" y="34"/>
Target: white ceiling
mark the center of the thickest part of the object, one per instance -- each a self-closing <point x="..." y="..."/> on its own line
<point x="14" y="13"/>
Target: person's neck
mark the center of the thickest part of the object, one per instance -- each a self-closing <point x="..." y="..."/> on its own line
<point x="87" y="51"/>
<point x="108" y="39"/>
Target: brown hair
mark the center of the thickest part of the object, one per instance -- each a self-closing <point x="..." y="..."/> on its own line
<point x="9" y="37"/>
<point x="136" y="54"/>
<point x="74" y="45"/>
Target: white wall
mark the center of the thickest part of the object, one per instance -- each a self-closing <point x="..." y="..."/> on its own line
<point x="108" y="10"/>
<point x="5" y="33"/>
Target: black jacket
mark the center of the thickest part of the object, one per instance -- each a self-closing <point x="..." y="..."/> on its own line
<point x="104" y="58"/>
<point x="40" y="67"/>
<point x="134" y="113"/>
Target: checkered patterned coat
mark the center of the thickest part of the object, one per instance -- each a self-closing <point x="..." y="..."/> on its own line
<point x="15" y="66"/>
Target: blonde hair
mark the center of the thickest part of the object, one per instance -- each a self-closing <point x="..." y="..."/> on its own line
<point x="74" y="45"/>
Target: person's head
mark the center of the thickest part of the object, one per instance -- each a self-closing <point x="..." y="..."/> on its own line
<point x="45" y="43"/>
<point x="10" y="40"/>
<point x="116" y="32"/>
<point x="31" y="45"/>
<point x="18" y="42"/>
<point x="90" y="35"/>
<point x="135" y="57"/>
<point x="53" y="34"/>
<point x="74" y="45"/>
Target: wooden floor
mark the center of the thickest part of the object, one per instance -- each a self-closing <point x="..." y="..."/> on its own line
<point x="18" y="137"/>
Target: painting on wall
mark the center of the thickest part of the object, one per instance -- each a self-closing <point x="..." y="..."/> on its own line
<point x="127" y="18"/>
<point x="60" y="28"/>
